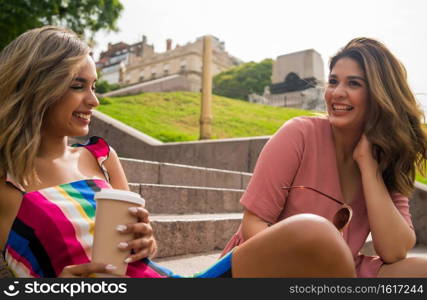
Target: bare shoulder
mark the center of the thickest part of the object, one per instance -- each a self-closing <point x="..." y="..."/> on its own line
<point x="115" y="170"/>
<point x="10" y="201"/>
<point x="113" y="156"/>
<point x="9" y="196"/>
<point x="113" y="161"/>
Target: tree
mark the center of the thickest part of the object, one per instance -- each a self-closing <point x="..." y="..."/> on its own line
<point x="240" y="81"/>
<point x="103" y="86"/>
<point x="85" y="17"/>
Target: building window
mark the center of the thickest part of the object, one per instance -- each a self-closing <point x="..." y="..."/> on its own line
<point x="153" y="75"/>
<point x="166" y="69"/>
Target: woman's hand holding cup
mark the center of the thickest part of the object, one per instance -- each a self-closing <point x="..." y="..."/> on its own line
<point x="88" y="270"/>
<point x="121" y="224"/>
<point x="143" y="245"/>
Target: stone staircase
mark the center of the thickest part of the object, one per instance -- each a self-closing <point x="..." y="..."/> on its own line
<point x="193" y="210"/>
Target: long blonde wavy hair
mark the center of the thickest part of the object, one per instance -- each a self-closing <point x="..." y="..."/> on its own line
<point x="36" y="69"/>
<point x="393" y="122"/>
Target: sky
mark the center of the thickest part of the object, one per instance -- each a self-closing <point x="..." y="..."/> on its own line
<point x="254" y="30"/>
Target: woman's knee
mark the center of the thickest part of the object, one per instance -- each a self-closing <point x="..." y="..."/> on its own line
<point x="308" y="228"/>
<point x="314" y="236"/>
<point x="305" y="243"/>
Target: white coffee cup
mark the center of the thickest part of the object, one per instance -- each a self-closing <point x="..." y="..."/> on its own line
<point x="112" y="209"/>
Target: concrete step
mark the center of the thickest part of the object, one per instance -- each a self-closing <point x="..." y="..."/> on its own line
<point x="171" y="199"/>
<point x="190" y="264"/>
<point x="193" y="233"/>
<point x="143" y="171"/>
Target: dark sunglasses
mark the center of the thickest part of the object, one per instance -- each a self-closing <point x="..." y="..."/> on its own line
<point x="341" y="218"/>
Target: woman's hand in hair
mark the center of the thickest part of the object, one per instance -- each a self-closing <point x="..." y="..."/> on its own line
<point x="144" y="244"/>
<point x="88" y="270"/>
<point x="362" y="153"/>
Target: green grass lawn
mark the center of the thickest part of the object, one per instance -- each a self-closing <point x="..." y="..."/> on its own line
<point x="173" y="117"/>
<point x="420" y="178"/>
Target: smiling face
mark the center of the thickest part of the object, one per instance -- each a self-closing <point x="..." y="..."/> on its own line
<point x="70" y="115"/>
<point x="347" y="95"/>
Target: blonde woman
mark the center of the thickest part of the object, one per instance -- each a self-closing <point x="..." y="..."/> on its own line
<point x="47" y="87"/>
<point x="47" y="82"/>
<point x="355" y="167"/>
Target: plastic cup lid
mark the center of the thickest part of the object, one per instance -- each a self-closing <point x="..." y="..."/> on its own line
<point x="122" y="195"/>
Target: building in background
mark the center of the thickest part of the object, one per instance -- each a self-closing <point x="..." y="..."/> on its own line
<point x="298" y="81"/>
<point x="113" y="62"/>
<point x="138" y="68"/>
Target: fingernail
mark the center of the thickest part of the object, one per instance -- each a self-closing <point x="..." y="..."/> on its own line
<point x="128" y="260"/>
<point x="110" y="267"/>
<point x="133" y="209"/>
<point x="122" y="245"/>
<point x="121" y="228"/>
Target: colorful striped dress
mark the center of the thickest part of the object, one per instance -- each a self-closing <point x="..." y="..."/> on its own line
<point x="54" y="228"/>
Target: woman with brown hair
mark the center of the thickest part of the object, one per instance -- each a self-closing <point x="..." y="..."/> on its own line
<point x="356" y="168"/>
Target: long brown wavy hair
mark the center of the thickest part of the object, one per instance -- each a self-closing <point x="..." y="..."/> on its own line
<point x="36" y="69"/>
<point x="393" y="123"/>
